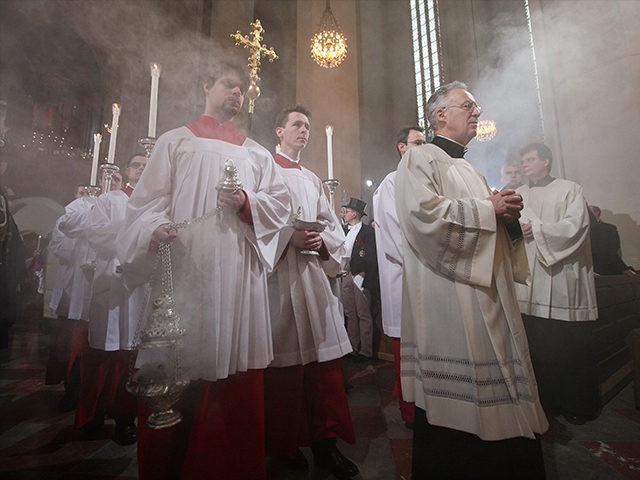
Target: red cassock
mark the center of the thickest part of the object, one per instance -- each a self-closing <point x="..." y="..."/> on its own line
<point x="305" y="399"/>
<point x="222" y="431"/>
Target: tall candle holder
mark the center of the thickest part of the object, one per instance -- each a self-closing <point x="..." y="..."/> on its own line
<point x="147" y="143"/>
<point x="331" y="184"/>
<point x="108" y="169"/>
<point x="94" y="190"/>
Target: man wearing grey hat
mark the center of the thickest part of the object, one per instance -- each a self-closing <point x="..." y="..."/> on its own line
<point x="360" y="287"/>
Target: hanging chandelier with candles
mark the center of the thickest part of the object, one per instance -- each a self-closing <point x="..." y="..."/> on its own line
<point x="329" y="44"/>
<point x="486" y="130"/>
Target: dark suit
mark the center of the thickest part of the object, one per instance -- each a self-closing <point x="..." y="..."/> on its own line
<point x="605" y="248"/>
<point x="364" y="260"/>
<point x="360" y="306"/>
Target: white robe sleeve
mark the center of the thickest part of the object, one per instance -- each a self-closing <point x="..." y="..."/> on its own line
<point x="61" y="246"/>
<point x="75" y="222"/>
<point x="105" y="224"/>
<point x="557" y="241"/>
<point x="148" y="208"/>
<point x="270" y="208"/>
<point x="389" y="235"/>
<point x="454" y="235"/>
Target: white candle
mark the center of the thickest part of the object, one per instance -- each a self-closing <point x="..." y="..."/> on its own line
<point x="156" y="68"/>
<point x="115" y="108"/>
<point x="329" y="130"/>
<point x="97" y="139"/>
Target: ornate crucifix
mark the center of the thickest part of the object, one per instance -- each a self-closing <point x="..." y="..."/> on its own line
<point x="257" y="50"/>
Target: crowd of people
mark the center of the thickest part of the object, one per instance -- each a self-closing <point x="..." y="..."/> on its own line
<point x="480" y="291"/>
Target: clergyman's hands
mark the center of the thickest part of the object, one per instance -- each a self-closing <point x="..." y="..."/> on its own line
<point x="507" y="204"/>
<point x="164" y="233"/>
<point x="306" y="240"/>
<point x="527" y="230"/>
<point x="234" y="201"/>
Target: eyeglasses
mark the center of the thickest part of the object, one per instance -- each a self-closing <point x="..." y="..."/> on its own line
<point x="469" y="106"/>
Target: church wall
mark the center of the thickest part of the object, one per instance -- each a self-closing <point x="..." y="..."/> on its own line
<point x="590" y="68"/>
<point x="332" y="96"/>
<point x="386" y="84"/>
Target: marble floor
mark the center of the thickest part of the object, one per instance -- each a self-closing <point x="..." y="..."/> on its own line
<point x="39" y="442"/>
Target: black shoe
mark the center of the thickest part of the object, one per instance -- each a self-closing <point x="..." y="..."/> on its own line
<point x="126" y="434"/>
<point x="574" y="419"/>
<point x="92" y="429"/>
<point x="298" y="463"/>
<point x="68" y="402"/>
<point x="327" y="456"/>
<point x="358" y="358"/>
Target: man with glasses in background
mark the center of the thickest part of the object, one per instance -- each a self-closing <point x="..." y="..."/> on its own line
<point x="389" y="253"/>
<point x="465" y="359"/>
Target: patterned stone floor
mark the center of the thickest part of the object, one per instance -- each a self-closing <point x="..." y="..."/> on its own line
<point x="38" y="442"/>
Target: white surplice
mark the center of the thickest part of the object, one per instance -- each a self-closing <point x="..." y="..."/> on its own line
<point x="114" y="310"/>
<point x="306" y="318"/>
<point x="74" y="225"/>
<point x="61" y="247"/>
<point x="389" y="253"/>
<point x="562" y="285"/>
<point x="465" y="357"/>
<point x="219" y="262"/>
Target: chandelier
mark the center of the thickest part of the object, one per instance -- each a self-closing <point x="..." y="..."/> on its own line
<point x="486" y="130"/>
<point x="328" y="45"/>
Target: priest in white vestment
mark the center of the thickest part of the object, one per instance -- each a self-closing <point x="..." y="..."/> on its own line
<point x="561" y="295"/>
<point x="222" y="246"/>
<point x="306" y="403"/>
<point x="465" y="358"/>
<point x="389" y="253"/>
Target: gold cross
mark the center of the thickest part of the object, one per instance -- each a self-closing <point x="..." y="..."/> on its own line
<point x="256" y="48"/>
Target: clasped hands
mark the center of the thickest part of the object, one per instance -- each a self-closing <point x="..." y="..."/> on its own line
<point x="306" y="240"/>
<point x="507" y="204"/>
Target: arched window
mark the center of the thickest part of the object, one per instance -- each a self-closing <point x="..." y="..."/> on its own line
<point x="425" y="28"/>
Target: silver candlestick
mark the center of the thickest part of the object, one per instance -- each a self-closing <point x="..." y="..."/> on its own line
<point x="108" y="169"/>
<point x="147" y="143"/>
<point x="332" y="184"/>
<point x="94" y="190"/>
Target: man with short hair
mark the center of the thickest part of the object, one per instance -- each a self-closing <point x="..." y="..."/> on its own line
<point x="465" y="358"/>
<point x="360" y="286"/>
<point x="389" y="254"/>
<point x="133" y="171"/>
<point x="561" y="293"/>
<point x="306" y="403"/>
<point x="511" y="175"/>
<point x="223" y="242"/>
